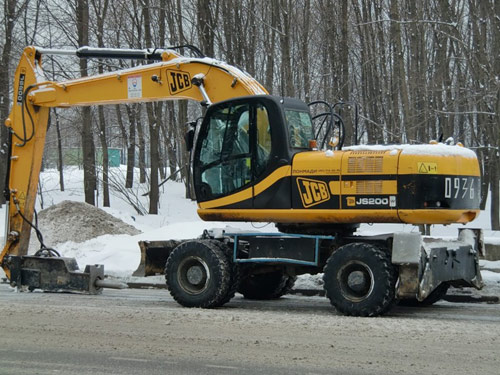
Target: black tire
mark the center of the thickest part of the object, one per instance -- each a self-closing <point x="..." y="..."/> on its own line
<point x="435" y="296"/>
<point x="360" y="280"/>
<point x="234" y="270"/>
<point x="198" y="274"/>
<point x="266" y="286"/>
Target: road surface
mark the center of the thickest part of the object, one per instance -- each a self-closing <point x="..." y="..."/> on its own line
<point x="146" y="332"/>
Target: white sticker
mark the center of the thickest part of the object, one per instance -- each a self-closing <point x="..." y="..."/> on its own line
<point x="134" y="86"/>
<point x="392" y="201"/>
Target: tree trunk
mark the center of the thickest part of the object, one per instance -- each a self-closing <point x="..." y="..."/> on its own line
<point x="206" y="25"/>
<point x="185" y="162"/>
<point x="344" y="66"/>
<point x="154" y="114"/>
<point x="105" y="158"/>
<point x="142" y="150"/>
<point x="132" y="117"/>
<point x="60" y="161"/>
<point x="304" y="50"/>
<point x="495" y="192"/>
<point x="270" y="44"/>
<point x="88" y="148"/>
<point x="399" y="71"/>
<point x="9" y="22"/>
<point x="287" y="86"/>
<point x="100" y="10"/>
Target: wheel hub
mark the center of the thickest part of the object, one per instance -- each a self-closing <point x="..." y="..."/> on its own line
<point x="356" y="281"/>
<point x="193" y="275"/>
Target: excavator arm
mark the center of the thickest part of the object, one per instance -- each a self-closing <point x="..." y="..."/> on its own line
<point x="173" y="77"/>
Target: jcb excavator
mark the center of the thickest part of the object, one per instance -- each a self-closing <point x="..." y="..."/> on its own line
<point x="255" y="158"/>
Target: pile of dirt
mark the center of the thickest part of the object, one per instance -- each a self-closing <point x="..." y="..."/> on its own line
<point x="77" y="222"/>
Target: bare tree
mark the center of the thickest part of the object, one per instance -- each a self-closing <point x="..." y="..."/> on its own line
<point x="100" y="8"/>
<point x="12" y="10"/>
<point x="88" y="148"/>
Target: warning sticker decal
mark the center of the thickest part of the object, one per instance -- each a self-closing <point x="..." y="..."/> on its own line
<point x="427" y="168"/>
<point x="134" y="86"/>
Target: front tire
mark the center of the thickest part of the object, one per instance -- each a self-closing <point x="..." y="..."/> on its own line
<point x="360" y="280"/>
<point x="198" y="274"/>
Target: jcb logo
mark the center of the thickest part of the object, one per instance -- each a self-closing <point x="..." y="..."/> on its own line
<point x="178" y="81"/>
<point x="312" y="192"/>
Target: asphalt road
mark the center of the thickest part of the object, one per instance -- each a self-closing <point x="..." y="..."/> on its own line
<point x="146" y="332"/>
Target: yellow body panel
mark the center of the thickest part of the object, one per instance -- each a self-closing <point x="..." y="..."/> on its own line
<point x="438" y="164"/>
<point x="361" y="186"/>
<point x="338" y="216"/>
<point x="247" y="193"/>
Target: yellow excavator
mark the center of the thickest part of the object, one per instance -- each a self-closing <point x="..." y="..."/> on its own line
<point x="255" y="157"/>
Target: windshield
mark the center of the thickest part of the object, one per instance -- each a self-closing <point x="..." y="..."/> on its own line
<point x="300" y="128"/>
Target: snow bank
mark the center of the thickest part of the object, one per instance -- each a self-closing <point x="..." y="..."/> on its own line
<point x="77" y="222"/>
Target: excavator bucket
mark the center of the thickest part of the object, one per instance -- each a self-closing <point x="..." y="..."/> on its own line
<point x="154" y="256"/>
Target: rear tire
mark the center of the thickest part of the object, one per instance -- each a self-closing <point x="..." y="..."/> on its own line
<point x="266" y="286"/>
<point x="198" y="274"/>
<point x="234" y="273"/>
<point x="360" y="280"/>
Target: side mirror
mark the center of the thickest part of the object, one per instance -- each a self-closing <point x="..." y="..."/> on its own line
<point x="189" y="136"/>
<point x="189" y="139"/>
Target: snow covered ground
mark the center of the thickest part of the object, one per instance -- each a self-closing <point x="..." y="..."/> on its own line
<point x="177" y="219"/>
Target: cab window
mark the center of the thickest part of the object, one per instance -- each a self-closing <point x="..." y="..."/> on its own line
<point x="300" y="129"/>
<point x="235" y="149"/>
<point x="225" y="151"/>
<point x="263" y="152"/>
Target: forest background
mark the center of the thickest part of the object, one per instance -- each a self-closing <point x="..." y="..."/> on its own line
<point x="413" y="71"/>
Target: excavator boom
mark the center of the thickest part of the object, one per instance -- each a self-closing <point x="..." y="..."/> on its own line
<point x="175" y="77"/>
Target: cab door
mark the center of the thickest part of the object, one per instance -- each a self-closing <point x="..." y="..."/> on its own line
<point x="223" y="157"/>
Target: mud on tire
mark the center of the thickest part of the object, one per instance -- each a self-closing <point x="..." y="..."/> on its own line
<point x="198" y="274"/>
<point x="360" y="280"/>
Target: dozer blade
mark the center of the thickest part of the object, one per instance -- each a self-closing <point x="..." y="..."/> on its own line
<point x="154" y="256"/>
<point x="424" y="264"/>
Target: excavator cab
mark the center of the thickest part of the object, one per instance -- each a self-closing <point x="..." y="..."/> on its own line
<point x="241" y="143"/>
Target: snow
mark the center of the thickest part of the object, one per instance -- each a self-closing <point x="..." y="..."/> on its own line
<point x="177" y="219"/>
<point x="490" y="277"/>
<point x="490" y="264"/>
<point x="438" y="149"/>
